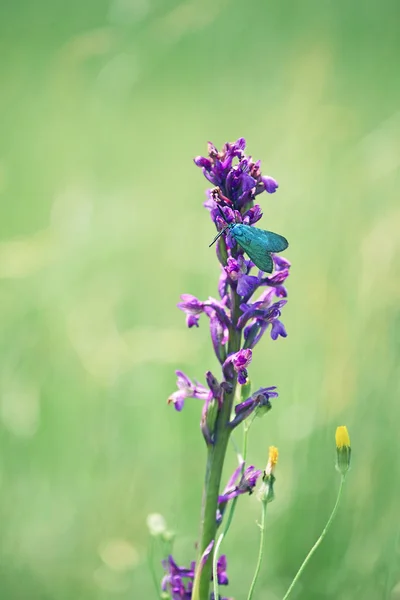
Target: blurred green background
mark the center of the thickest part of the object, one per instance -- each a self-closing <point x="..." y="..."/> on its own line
<point x="103" y="105"/>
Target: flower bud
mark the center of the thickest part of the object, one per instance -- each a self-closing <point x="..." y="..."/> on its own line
<point x="267" y="489"/>
<point x="343" y="449"/>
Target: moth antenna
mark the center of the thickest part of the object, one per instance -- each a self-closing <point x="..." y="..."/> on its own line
<point x="221" y="212"/>
<point x="218" y="236"/>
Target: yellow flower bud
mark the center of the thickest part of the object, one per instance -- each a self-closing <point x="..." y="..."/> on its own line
<point x="343" y="449"/>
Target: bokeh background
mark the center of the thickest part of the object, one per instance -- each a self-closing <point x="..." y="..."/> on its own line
<point x="103" y="105"/>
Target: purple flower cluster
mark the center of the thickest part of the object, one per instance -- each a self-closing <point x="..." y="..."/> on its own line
<point x="238" y="181"/>
<point x="178" y="581"/>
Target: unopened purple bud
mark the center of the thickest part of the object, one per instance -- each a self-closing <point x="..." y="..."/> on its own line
<point x="227" y="387"/>
<point x="240" y="144"/>
<point x="223" y="284"/>
<point x="201" y="161"/>
<point x="214" y="386"/>
<point x="209" y="416"/>
<point x="270" y="184"/>
<point x="221" y="571"/>
<point x="212" y="151"/>
<point x="253" y="333"/>
<point x="219" y="337"/>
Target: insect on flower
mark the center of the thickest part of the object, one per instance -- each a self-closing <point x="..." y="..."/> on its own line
<point x="258" y="243"/>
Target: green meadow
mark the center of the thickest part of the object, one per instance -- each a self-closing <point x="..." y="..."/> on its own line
<point x="103" y="105"/>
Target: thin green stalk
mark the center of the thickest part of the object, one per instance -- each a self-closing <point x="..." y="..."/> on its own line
<point x="150" y="557"/>
<point x="319" y="540"/>
<point x="215" y="463"/>
<point x="260" y="551"/>
<point x="218" y="545"/>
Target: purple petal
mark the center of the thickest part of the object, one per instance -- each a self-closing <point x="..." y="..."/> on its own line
<point x="278" y="329"/>
<point x="270" y="184"/>
<point x="192" y="321"/>
<point x="201" y="161"/>
<point x="247" y="285"/>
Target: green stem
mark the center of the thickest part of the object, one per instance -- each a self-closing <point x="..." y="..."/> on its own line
<point x="319" y="540"/>
<point x="215" y="463"/>
<point x="150" y="559"/>
<point x="231" y="512"/>
<point x="260" y="551"/>
<point x="218" y="545"/>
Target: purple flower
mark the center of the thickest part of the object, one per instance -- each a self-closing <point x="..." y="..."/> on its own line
<point x="178" y="581"/>
<point x="240" y="361"/>
<point x="193" y="309"/>
<point x="260" y="400"/>
<point x="221" y="570"/>
<point x="212" y="306"/>
<point x="247" y="483"/>
<point x="277" y="278"/>
<point x="261" y="311"/>
<point x="239" y="183"/>
<point x="252" y="215"/>
<point x="219" y="319"/>
<point x="235" y="267"/>
<point x="277" y="329"/>
<point x="281" y="262"/>
<point x="174" y="579"/>
<point x="187" y="389"/>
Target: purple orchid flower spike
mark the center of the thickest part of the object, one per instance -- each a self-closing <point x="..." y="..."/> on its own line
<point x="237" y="322"/>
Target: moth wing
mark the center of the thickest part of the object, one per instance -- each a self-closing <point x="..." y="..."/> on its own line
<point x="273" y="241"/>
<point x="258" y="244"/>
<point x="261" y="258"/>
<point x="254" y="244"/>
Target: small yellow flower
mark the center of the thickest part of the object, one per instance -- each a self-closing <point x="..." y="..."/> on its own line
<point x="343" y="449"/>
<point x="266" y="493"/>
<point x="272" y="460"/>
